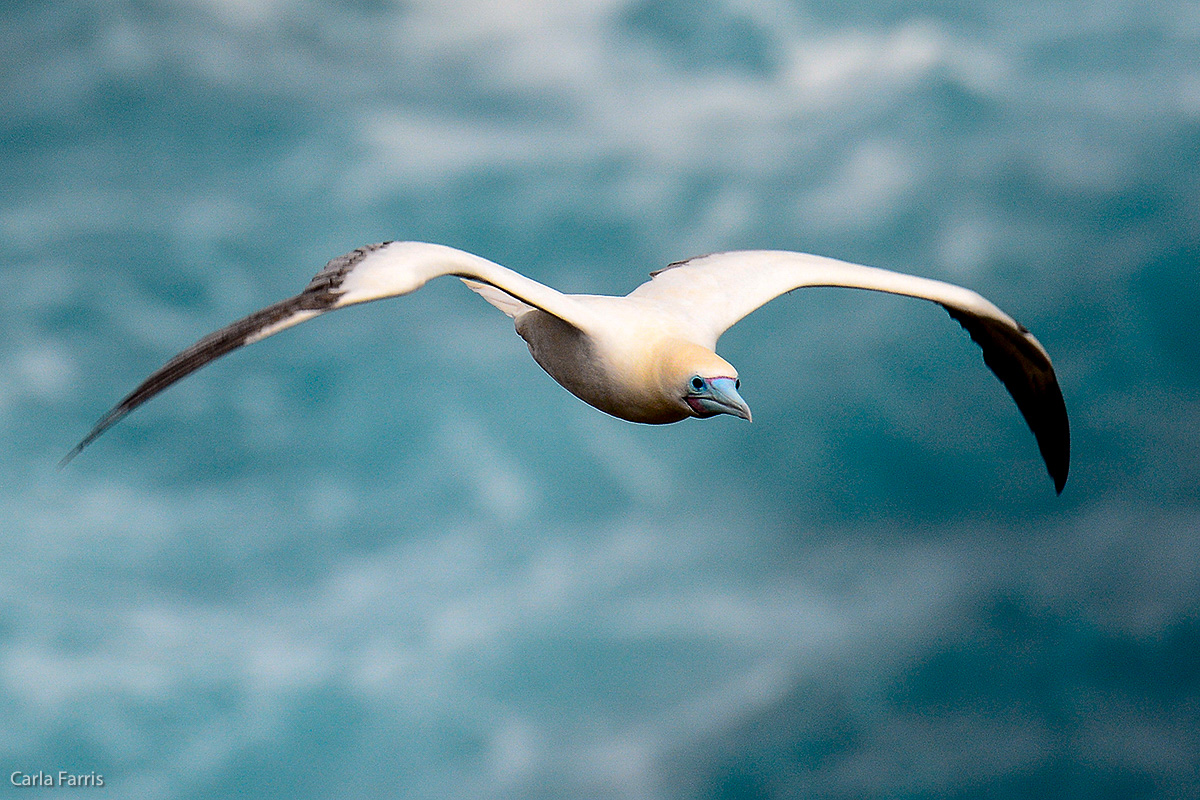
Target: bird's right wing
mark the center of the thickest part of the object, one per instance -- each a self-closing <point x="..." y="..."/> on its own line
<point x="715" y="291"/>
<point x="373" y="272"/>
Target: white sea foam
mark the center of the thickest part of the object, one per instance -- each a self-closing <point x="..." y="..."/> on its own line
<point x="408" y="630"/>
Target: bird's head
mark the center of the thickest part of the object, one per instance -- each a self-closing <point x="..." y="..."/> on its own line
<point x="709" y="396"/>
<point x="706" y="384"/>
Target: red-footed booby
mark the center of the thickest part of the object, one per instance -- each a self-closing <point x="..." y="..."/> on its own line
<point x="649" y="356"/>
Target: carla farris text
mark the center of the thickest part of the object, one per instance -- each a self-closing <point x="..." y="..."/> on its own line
<point x="60" y="778"/>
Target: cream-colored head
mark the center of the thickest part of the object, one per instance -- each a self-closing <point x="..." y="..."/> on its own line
<point x="698" y="381"/>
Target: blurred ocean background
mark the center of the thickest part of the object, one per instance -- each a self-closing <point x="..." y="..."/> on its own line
<point x="383" y="555"/>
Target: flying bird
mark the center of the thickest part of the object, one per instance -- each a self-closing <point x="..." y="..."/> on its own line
<point x="648" y="356"/>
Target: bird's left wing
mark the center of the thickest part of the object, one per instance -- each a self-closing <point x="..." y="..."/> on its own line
<point x="715" y="291"/>
<point x="373" y="272"/>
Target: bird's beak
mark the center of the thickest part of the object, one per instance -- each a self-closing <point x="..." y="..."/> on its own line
<point x="720" y="397"/>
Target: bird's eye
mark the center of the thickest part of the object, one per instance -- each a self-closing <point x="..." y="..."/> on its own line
<point x="697" y="382"/>
<point x="737" y="383"/>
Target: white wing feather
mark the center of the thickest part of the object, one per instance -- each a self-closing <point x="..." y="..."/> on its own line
<point x="715" y="291"/>
<point x="368" y="273"/>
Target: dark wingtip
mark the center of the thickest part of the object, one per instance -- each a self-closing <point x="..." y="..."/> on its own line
<point x="1041" y="402"/>
<point x="1028" y="375"/>
<point x="76" y="450"/>
<point x="1052" y="429"/>
<point x="1058" y="453"/>
<point x="115" y="415"/>
<point x="319" y="297"/>
<point x="1062" y="465"/>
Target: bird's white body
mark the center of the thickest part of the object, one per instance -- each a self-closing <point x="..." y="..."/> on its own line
<point x="648" y="356"/>
<point x="625" y="363"/>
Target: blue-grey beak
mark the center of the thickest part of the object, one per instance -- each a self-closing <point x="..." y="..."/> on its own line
<point x="719" y="396"/>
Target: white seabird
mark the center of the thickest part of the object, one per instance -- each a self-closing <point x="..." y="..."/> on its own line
<point x="649" y="356"/>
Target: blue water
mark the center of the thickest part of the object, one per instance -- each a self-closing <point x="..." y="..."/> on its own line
<point x="384" y="555"/>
